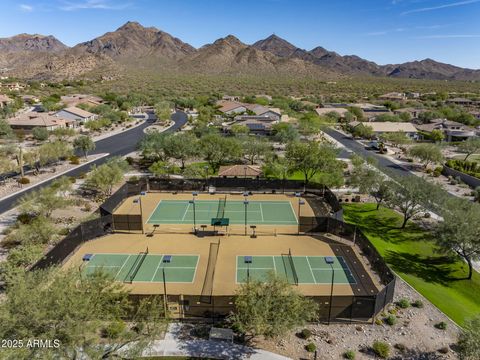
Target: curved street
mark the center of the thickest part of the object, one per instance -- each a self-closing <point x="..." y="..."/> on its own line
<point x="117" y="145"/>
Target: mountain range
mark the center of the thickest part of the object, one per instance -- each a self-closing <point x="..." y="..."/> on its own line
<point x="133" y="45"/>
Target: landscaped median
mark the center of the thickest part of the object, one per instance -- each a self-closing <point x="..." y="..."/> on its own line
<point x="412" y="254"/>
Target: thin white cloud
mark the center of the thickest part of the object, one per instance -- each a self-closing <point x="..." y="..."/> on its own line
<point x="92" y="4"/>
<point x="26" y="8"/>
<point x="454" y="36"/>
<point x="385" y="32"/>
<point x="459" y="3"/>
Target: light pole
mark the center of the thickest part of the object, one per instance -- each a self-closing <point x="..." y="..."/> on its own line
<point x="245" y="167"/>
<point x="194" y="194"/>
<point x="330" y="261"/>
<point x="300" y="203"/>
<point x="246" y="204"/>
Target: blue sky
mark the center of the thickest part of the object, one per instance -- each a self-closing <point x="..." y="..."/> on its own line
<point x="384" y="31"/>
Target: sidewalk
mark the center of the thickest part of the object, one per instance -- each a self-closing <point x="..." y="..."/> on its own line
<point x="175" y="345"/>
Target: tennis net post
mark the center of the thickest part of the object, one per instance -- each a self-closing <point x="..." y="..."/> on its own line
<point x="292" y="265"/>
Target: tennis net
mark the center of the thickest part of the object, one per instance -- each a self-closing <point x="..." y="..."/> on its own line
<point x="136" y="265"/>
<point x="221" y="208"/>
<point x="292" y="265"/>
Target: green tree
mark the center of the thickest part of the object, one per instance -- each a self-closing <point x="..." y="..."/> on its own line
<point x="363" y="131"/>
<point x="78" y="310"/>
<point x="310" y="123"/>
<point x="40" y="134"/>
<point x="6" y="131"/>
<point x="409" y="196"/>
<point x="284" y="133"/>
<point x="396" y="138"/>
<point x="40" y="230"/>
<point x="217" y="150"/>
<point x="427" y="153"/>
<point x="46" y="200"/>
<point x="163" y="110"/>
<point x="437" y="135"/>
<point x="460" y="231"/>
<point x="182" y="147"/>
<point x="469" y="147"/>
<point x="104" y="177"/>
<point x="85" y="144"/>
<point x="255" y="149"/>
<point x="469" y="340"/>
<point x="239" y="130"/>
<point x="162" y="169"/>
<point x="277" y="167"/>
<point x="356" y="111"/>
<point x="271" y="308"/>
<point x="311" y="158"/>
<point x="63" y="134"/>
<point x="53" y="152"/>
<point x="152" y="146"/>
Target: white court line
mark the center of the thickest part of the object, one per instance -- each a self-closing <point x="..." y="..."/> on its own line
<point x="185" y="213"/>
<point x="261" y="211"/>
<point x="294" y="214"/>
<point x="153" y="212"/>
<point x="311" y="271"/>
<point x="158" y="266"/>
<point x="126" y="260"/>
<point x="274" y="265"/>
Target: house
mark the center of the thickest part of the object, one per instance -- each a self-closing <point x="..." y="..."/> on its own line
<point x="256" y="125"/>
<point x="240" y="171"/>
<point x="30" y="99"/>
<point x="13" y="86"/>
<point x="414" y="113"/>
<point x="453" y="131"/>
<point x="387" y="127"/>
<point x="460" y="101"/>
<point x="393" y="96"/>
<point x="26" y="122"/>
<point x="74" y="113"/>
<point x="326" y="110"/>
<point x="273" y="113"/>
<point x="230" y="98"/>
<point x="412" y="95"/>
<point x="476" y="114"/>
<point x="76" y="99"/>
<point x="4" y="100"/>
<point x="228" y="107"/>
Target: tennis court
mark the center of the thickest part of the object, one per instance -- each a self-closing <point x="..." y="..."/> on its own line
<point x="258" y="212"/>
<point x="296" y="269"/>
<point x="144" y="267"/>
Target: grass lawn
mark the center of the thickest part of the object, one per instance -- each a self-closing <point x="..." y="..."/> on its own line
<point x="412" y="254"/>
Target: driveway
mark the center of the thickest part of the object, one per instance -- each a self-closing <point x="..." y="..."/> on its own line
<point x="117" y="145"/>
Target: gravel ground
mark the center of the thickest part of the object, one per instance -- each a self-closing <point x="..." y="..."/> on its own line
<point x="414" y="329"/>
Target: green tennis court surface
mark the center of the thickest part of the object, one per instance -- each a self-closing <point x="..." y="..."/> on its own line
<point x="145" y="267"/>
<point x="258" y="212"/>
<point x="296" y="269"/>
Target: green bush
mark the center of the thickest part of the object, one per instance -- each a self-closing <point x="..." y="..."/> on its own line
<point x="114" y="329"/>
<point x="24" y="218"/>
<point x="349" y="354"/>
<point x="418" y="304"/>
<point x="378" y="321"/>
<point x="310" y="347"/>
<point x="442" y="325"/>
<point x="24" y="181"/>
<point x="471" y="168"/>
<point x="381" y="349"/>
<point x="305" y="334"/>
<point x="391" y="320"/>
<point x="403" y="303"/>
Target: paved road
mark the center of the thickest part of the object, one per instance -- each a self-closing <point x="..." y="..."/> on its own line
<point x="383" y="162"/>
<point x="117" y="145"/>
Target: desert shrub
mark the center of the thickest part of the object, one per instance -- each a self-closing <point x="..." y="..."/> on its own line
<point x="305" y="334"/>
<point x="24" y="181"/>
<point x="349" y="354"/>
<point x="24" y="218"/>
<point x="418" y="304"/>
<point x="381" y="349"/>
<point x="114" y="329"/>
<point x="378" y="321"/>
<point x="310" y="347"/>
<point x="442" y="325"/>
<point x="403" y="303"/>
<point x="74" y="160"/>
<point x="391" y="320"/>
<point x="443" y="350"/>
<point x="130" y="160"/>
<point x="400" y="347"/>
